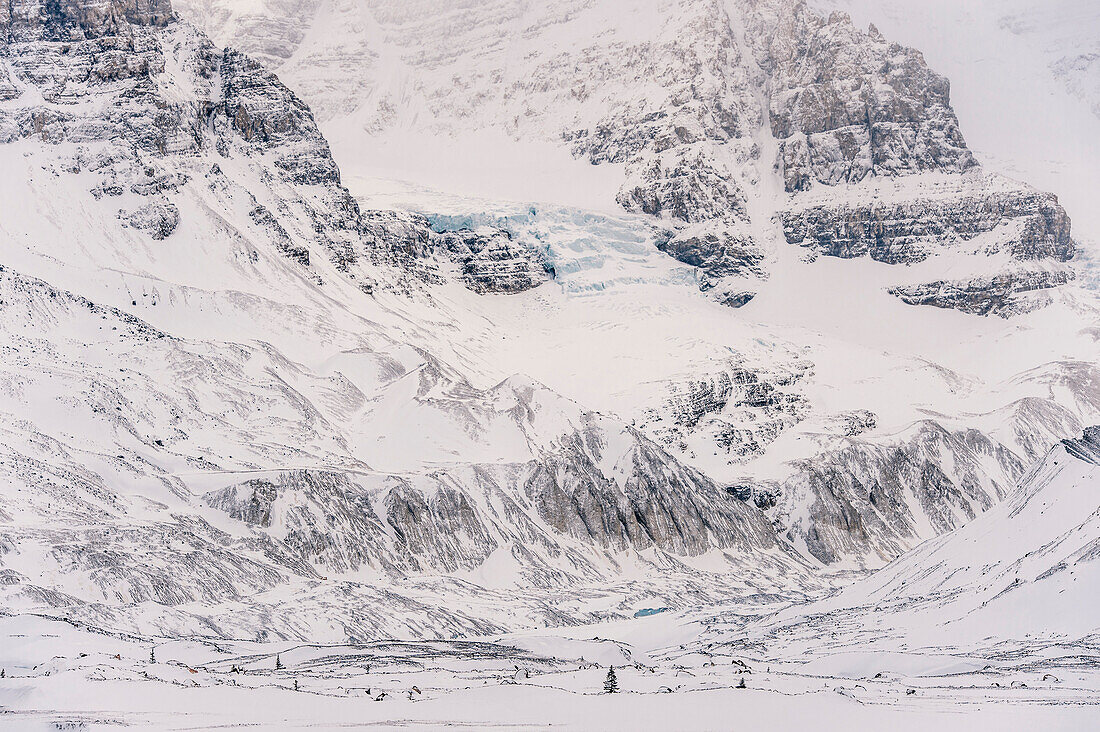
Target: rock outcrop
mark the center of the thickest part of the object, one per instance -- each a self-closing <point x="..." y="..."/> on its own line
<point x="736" y="299"/>
<point x="762" y="495"/>
<point x="1031" y="226"/>
<point x="846" y="107"/>
<point x="33" y="20"/>
<point x="846" y="104"/>
<point x="718" y="254"/>
<point x="685" y="184"/>
<point x="739" y="410"/>
<point x="1086" y="447"/>
<point x="486" y="259"/>
<point x="158" y="220"/>
<point x="493" y="261"/>
<point x="998" y="295"/>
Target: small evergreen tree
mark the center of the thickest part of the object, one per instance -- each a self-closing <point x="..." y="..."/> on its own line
<point x="295" y="684"/>
<point x="153" y="655"/>
<point x="611" y="683"/>
<point x="278" y="662"/>
<point x="741" y="684"/>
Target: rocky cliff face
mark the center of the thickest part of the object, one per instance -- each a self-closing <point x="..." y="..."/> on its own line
<point x="846" y="104"/>
<point x="139" y="100"/>
<point x="734" y="94"/>
<point x="1033" y="225"/>
<point x="739" y="410"/>
<point x="669" y="139"/>
<point x="718" y="255"/>
<point x="676" y="510"/>
<point x="1004" y="295"/>
<point x="848" y="107"/>
<point x="492" y="260"/>
<point x="75" y="20"/>
<point x="445" y="522"/>
<point x="880" y="494"/>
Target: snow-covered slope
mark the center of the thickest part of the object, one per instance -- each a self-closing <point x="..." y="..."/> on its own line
<point x="60" y="676"/>
<point x="1028" y="567"/>
<point x="1020" y="582"/>
<point x="612" y="349"/>
<point x="988" y="627"/>
<point x="1065" y="33"/>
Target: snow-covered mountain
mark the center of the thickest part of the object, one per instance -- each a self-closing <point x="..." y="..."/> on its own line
<point x="696" y="102"/>
<point x="1020" y="114"/>
<point x="248" y="394"/>
<point x="711" y="340"/>
<point x="997" y="611"/>
<point x="737" y="129"/>
<point x="203" y="412"/>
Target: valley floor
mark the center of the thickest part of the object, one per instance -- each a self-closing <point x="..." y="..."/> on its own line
<point x="60" y="677"/>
